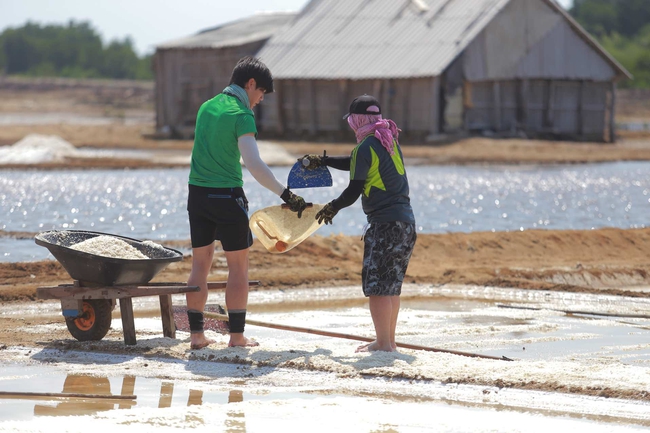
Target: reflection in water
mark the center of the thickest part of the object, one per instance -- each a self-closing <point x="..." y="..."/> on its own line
<point x="236" y="421"/>
<point x="98" y="387"/>
<point x="166" y="393"/>
<point x="77" y="384"/>
<point x="195" y="398"/>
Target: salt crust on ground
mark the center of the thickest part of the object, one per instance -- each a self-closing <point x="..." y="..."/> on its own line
<point x="580" y="374"/>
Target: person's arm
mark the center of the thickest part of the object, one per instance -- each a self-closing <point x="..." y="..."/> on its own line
<point x="258" y="168"/>
<point x="347" y="198"/>
<point x="349" y="195"/>
<point x="337" y="162"/>
<point x="261" y="172"/>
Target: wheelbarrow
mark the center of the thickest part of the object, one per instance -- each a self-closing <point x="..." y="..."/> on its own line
<point x="99" y="281"/>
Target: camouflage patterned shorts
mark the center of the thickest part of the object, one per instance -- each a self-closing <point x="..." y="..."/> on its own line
<point x="387" y="251"/>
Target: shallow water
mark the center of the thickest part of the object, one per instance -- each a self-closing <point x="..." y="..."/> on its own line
<point x="151" y="204"/>
<point x="246" y="408"/>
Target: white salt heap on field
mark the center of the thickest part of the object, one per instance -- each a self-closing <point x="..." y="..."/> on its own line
<point x="37" y="148"/>
<point x="108" y="246"/>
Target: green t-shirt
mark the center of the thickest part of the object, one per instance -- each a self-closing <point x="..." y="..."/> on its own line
<point x="215" y="156"/>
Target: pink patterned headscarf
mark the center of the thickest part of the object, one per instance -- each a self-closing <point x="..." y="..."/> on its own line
<point x="384" y="129"/>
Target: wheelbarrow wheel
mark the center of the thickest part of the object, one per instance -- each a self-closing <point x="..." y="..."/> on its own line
<point x="94" y="321"/>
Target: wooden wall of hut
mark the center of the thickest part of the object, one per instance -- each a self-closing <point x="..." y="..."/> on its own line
<point x="185" y="78"/>
<point x="314" y="108"/>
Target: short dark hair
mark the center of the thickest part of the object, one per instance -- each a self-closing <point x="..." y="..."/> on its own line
<point x="251" y="67"/>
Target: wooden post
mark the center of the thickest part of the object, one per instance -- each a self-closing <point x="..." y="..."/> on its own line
<point x="581" y="110"/>
<point x="496" y="94"/>
<point x="343" y="103"/>
<point x="407" y="103"/>
<point x="522" y="112"/>
<point x="167" y="315"/>
<point x="612" y="114"/>
<point x="298" y="127"/>
<point x="279" y="106"/>
<point x="376" y="89"/>
<point x="467" y="103"/>
<point x="313" y="107"/>
<point x="128" y="325"/>
<point x="549" y="105"/>
<point x="434" y="114"/>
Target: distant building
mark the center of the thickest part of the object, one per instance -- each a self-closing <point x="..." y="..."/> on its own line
<point x="438" y="66"/>
<point x="191" y="70"/>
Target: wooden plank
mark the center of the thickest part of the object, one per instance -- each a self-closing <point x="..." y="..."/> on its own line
<point x="110" y="292"/>
<point x="116" y="292"/>
<point x="581" y="110"/>
<point x="167" y="316"/>
<point x="313" y="108"/>
<point x="522" y="112"/>
<point x="434" y="119"/>
<point x="496" y="94"/>
<point x="612" y="114"/>
<point x="279" y="106"/>
<point x="343" y="103"/>
<point x="550" y="105"/>
<point x="128" y="324"/>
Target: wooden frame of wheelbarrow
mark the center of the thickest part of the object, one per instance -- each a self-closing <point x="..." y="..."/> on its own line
<point x="87" y="308"/>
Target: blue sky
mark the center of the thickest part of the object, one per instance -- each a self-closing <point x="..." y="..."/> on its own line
<point x="148" y="22"/>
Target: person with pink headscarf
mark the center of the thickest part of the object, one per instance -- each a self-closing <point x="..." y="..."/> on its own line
<point x="377" y="174"/>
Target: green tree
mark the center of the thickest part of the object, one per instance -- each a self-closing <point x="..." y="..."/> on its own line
<point x="120" y="61"/>
<point x="72" y="50"/>
<point x="623" y="28"/>
<point x="598" y="17"/>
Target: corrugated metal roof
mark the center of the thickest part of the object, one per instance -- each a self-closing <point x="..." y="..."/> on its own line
<point x="258" y="27"/>
<point x="364" y="39"/>
<point x="361" y="39"/>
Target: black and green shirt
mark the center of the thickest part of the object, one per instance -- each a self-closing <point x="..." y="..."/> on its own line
<point x="385" y="196"/>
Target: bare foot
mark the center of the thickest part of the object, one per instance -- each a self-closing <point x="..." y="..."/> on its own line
<point x="375" y="347"/>
<point x="238" y="340"/>
<point x="198" y="341"/>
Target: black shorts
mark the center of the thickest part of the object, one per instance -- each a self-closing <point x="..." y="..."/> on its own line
<point x="219" y="214"/>
<point x="386" y="255"/>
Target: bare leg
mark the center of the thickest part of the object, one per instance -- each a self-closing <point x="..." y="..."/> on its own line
<point x="237" y="291"/>
<point x="381" y="310"/>
<point x="395" y="312"/>
<point x="201" y="264"/>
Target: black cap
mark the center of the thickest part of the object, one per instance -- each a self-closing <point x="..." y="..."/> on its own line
<point x="360" y="105"/>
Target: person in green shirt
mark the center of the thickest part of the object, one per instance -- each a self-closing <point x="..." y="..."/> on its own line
<point x="218" y="210"/>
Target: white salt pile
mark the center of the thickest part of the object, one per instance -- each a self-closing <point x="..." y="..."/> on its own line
<point x="108" y="246"/>
<point x="37" y="148"/>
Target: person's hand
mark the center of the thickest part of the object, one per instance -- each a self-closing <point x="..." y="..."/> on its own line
<point x="295" y="202"/>
<point x="326" y="214"/>
<point x="313" y="161"/>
